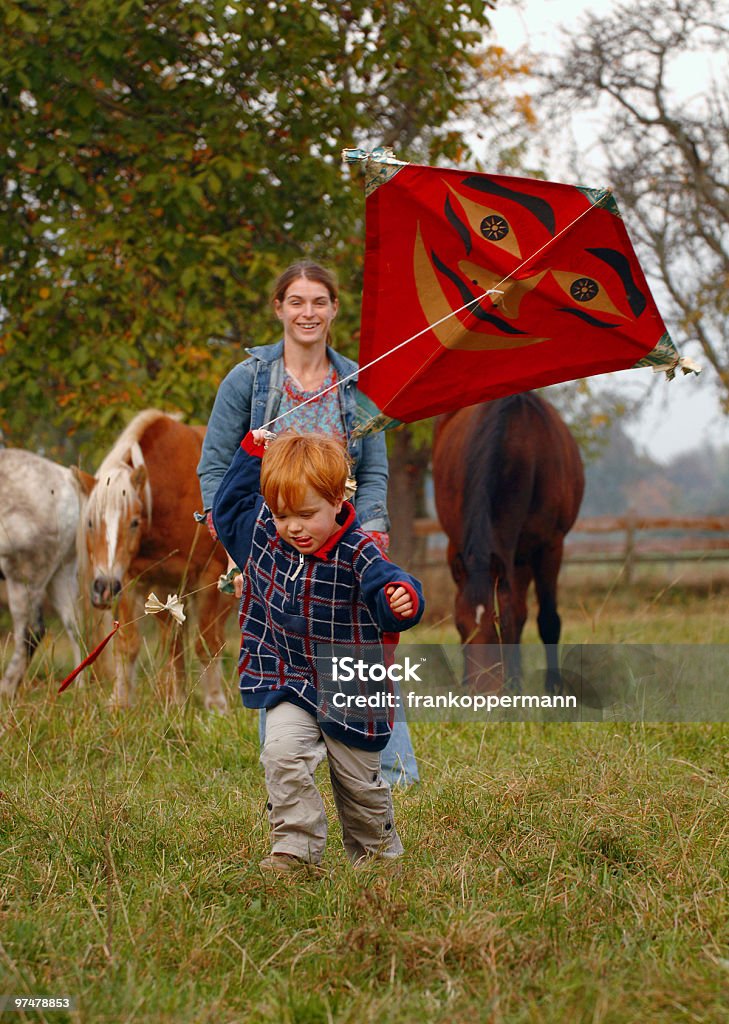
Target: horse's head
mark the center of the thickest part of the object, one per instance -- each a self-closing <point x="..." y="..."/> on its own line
<point x="484" y="618"/>
<point x="116" y="513"/>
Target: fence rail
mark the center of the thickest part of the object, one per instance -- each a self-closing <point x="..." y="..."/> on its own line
<point x="631" y="539"/>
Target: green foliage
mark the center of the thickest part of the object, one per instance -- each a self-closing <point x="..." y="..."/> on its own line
<point x="162" y="161"/>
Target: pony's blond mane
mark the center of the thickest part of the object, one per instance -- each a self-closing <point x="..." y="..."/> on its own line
<point x="130" y="436"/>
<point x="112" y="493"/>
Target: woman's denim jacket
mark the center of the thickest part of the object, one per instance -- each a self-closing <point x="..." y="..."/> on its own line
<point x="250" y="396"/>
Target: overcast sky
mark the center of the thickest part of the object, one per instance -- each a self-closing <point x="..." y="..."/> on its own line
<point x="684" y="413"/>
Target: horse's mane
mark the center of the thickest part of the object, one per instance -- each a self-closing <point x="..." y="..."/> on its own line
<point x="131" y="436"/>
<point x="126" y="453"/>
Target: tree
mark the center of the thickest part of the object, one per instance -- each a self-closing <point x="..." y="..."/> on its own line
<point x="667" y="156"/>
<point x="614" y="472"/>
<point x="160" y="161"/>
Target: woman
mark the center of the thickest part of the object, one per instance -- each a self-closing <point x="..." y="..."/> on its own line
<point x="271" y="385"/>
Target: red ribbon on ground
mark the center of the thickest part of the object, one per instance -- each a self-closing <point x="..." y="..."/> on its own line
<point x="88" y="660"/>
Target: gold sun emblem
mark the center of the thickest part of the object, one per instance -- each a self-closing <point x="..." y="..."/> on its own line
<point x="494" y="228"/>
<point x="584" y="289"/>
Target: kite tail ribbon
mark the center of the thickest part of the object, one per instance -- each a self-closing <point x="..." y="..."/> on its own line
<point x="88" y="660"/>
<point x="687" y="365"/>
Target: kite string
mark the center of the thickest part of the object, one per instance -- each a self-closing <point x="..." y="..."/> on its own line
<point x="343" y="380"/>
<point x="117" y="626"/>
<point x="496" y="290"/>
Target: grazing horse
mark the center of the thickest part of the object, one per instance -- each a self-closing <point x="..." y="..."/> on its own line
<point x="140" y="535"/>
<point x="508" y="482"/>
<point x="41" y="504"/>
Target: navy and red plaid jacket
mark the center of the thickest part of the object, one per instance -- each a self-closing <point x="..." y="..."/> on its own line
<point x="293" y="602"/>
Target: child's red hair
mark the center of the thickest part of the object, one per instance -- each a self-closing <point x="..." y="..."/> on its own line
<point x="294" y="462"/>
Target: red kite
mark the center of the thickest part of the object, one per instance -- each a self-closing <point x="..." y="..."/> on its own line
<point x="481" y="285"/>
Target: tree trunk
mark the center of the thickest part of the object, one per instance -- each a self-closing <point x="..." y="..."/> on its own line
<point x="408" y="464"/>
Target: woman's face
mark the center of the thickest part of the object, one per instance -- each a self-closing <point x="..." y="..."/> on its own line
<point x="306" y="312"/>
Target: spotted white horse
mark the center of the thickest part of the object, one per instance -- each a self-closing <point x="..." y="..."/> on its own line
<point x="40" y="505"/>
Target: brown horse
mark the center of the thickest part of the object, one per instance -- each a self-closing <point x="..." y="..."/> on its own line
<point x="140" y="535"/>
<point x="508" y="484"/>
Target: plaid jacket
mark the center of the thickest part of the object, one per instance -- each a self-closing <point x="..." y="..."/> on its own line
<point x="293" y="602"/>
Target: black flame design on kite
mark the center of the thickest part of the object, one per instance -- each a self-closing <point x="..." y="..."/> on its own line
<point x="498" y="316"/>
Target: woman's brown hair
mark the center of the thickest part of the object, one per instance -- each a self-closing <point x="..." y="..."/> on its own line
<point x="310" y="271"/>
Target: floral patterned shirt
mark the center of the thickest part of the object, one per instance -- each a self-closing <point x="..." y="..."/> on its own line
<point x="323" y="415"/>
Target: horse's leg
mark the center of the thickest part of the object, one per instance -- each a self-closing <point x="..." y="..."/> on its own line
<point x="126" y="651"/>
<point x="522" y="579"/>
<point x="63" y="592"/>
<point x="213" y="611"/>
<point x="26" y="611"/>
<point x="546" y="571"/>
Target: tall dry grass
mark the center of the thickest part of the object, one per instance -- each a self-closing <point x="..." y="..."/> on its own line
<point x="553" y="872"/>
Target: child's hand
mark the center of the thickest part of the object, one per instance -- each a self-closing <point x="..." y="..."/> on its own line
<point x="260" y="436"/>
<point x="230" y="583"/>
<point x="400" y="601"/>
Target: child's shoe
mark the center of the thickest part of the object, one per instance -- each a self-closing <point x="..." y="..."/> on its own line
<point x="282" y="863"/>
<point x="286" y="863"/>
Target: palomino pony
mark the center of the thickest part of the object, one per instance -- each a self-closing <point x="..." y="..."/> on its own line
<point x="41" y="504"/>
<point x="140" y="536"/>
<point x="508" y="482"/>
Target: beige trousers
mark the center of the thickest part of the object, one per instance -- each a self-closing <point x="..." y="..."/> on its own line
<point x="294" y="747"/>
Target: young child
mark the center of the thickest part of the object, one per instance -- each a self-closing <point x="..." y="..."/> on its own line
<point x="312" y="577"/>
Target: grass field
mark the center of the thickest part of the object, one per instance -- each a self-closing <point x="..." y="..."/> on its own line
<point x="553" y="872"/>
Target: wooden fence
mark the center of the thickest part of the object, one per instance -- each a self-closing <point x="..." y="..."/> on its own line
<point x="627" y="540"/>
